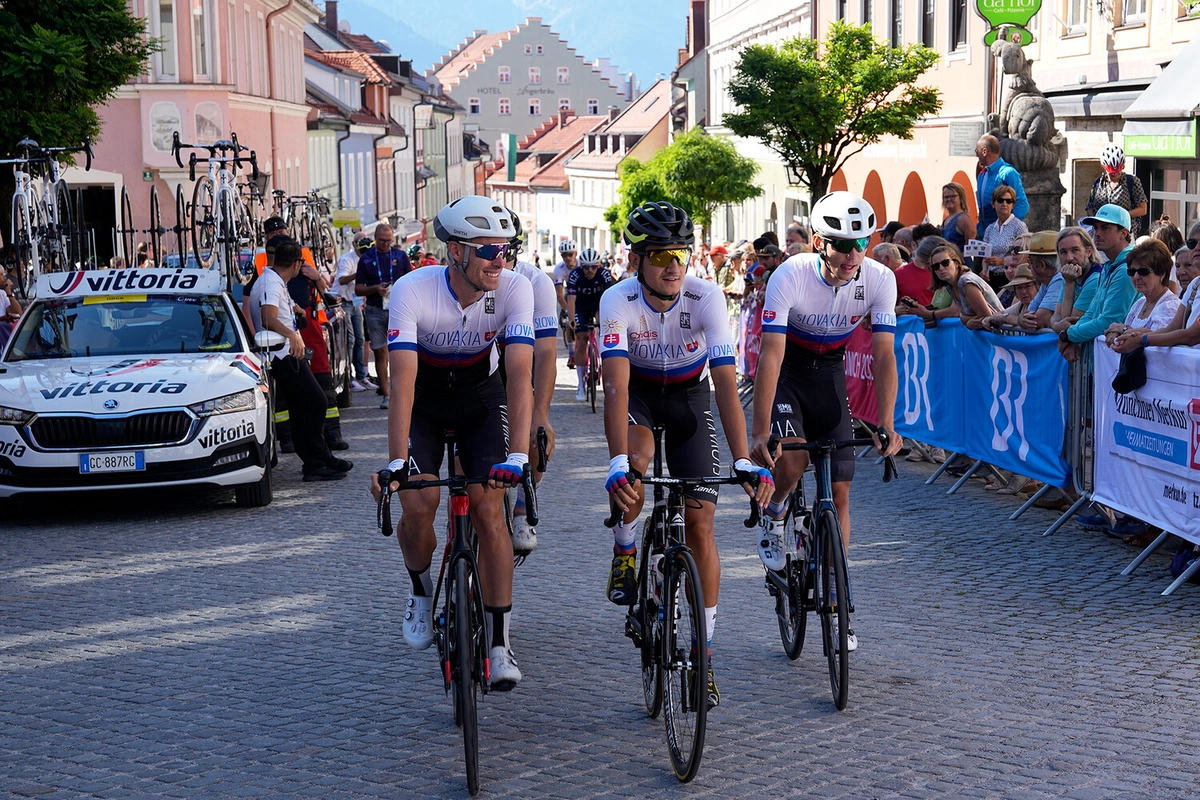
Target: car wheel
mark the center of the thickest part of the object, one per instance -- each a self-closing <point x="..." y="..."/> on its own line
<point x="255" y="495"/>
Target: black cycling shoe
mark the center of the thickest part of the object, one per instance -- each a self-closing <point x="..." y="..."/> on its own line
<point x="342" y="465"/>
<point x="321" y="472"/>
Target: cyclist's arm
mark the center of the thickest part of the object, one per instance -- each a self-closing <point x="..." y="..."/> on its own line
<point x="733" y="419"/>
<point x="562" y="299"/>
<point x="518" y="364"/>
<point x="766" y="378"/>
<point x="884" y="367"/>
<point x="616" y="404"/>
<point x="545" y="373"/>
<point x="571" y="308"/>
<point x="402" y="378"/>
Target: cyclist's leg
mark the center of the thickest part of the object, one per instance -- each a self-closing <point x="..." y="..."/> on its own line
<point x="415" y="532"/>
<point x="842" y="468"/>
<point x="787" y="425"/>
<point x="583" y="327"/>
<point x="622" y="577"/>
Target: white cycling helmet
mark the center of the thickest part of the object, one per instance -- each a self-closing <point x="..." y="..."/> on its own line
<point x="589" y="257"/>
<point x="1113" y="157"/>
<point x="473" y="217"/>
<point x="842" y="215"/>
<point x="568" y="246"/>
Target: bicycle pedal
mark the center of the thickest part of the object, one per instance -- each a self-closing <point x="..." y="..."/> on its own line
<point x="519" y="559"/>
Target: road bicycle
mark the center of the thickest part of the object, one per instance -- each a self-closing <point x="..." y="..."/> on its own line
<point x="220" y="224"/>
<point x="307" y="219"/>
<point x="666" y="623"/>
<point x="815" y="577"/>
<point x="459" y="626"/>
<point x="593" y="368"/>
<point x="42" y="231"/>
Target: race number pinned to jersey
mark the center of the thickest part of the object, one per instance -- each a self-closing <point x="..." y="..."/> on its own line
<point x="685" y="320"/>
<point x="612" y="339"/>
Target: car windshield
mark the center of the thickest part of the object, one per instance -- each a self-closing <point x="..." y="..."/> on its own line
<point x="124" y="325"/>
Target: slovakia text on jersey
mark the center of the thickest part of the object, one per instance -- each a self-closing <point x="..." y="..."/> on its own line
<point x="670" y="348"/>
<point x="545" y="303"/>
<point x="818" y="317"/>
<point x="427" y="317"/>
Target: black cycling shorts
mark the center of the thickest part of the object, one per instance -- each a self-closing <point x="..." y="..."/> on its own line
<point x="585" y="319"/>
<point x="477" y="414"/>
<point x="690" y="439"/>
<point x="811" y="403"/>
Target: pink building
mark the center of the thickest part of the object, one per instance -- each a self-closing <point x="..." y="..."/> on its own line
<point x="227" y="66"/>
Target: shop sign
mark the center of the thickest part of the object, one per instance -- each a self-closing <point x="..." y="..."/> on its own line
<point x="963" y="138"/>
<point x="1013" y="15"/>
<point x="346" y="216"/>
<point x="1150" y="146"/>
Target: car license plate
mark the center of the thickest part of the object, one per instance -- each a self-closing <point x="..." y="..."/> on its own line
<point x="112" y="462"/>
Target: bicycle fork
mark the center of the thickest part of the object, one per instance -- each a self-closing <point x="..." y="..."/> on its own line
<point x="457" y="550"/>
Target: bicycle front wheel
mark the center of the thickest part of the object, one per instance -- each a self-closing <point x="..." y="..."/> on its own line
<point x="834" y="606"/>
<point x="156" y="231"/>
<point x="685" y="666"/>
<point x="465" y="659"/>
<point x="790" y="606"/>
<point x="68" y="235"/>
<point x="204" y="223"/>
<point x="181" y="226"/>
<point x="24" y="231"/>
<point x="647" y="605"/>
<point x="128" y="234"/>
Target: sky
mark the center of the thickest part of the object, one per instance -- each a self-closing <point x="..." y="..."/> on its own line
<point x="640" y="36"/>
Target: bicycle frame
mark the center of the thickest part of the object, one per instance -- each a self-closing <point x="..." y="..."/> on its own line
<point x="218" y="215"/>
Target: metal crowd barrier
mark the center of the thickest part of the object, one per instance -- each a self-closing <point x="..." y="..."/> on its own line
<point x="1080" y="435"/>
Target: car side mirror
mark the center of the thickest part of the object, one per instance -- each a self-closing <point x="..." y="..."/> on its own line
<point x="269" y="342"/>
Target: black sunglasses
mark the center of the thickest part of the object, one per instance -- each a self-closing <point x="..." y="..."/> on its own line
<point x="936" y="265"/>
<point x="1143" y="271"/>
<point x="1191" y="243"/>
<point x="1006" y="200"/>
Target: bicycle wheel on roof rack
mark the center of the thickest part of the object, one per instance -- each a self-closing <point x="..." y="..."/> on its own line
<point x="204" y="224"/>
<point x="127" y="233"/>
<point x="181" y="227"/>
<point x="156" y="230"/>
<point x="68" y="233"/>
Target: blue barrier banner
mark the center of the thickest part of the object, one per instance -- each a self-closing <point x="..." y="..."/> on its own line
<point x="1015" y="396"/>
<point x="929" y="399"/>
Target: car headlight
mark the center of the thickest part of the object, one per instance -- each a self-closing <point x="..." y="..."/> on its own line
<point x="14" y="416"/>
<point x="229" y="404"/>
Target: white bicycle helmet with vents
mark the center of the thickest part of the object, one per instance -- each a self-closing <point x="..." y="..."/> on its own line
<point x="568" y="246"/>
<point x="473" y="217"/>
<point x="842" y="215"/>
<point x="589" y="257"/>
<point x="1113" y="157"/>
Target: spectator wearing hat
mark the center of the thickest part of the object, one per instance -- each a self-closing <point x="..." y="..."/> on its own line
<point x="994" y="172"/>
<point x="1043" y="263"/>
<point x="957" y="227"/>
<point x="1116" y="187"/>
<point x="1024" y="287"/>
<point x="888" y="231"/>
<point x="719" y="259"/>
<point x="378" y="269"/>
<point x="1114" y="291"/>
<point x="347" y="270"/>
<point x="769" y="259"/>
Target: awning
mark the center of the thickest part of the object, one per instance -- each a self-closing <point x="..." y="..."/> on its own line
<point x="1092" y="103"/>
<point x="1162" y="121"/>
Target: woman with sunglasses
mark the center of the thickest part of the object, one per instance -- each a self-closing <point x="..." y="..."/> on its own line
<point x="1158" y="308"/>
<point x="442" y="331"/>
<point x="665" y="333"/>
<point x="813" y="303"/>
<point x="973" y="297"/>
<point x="1007" y="228"/>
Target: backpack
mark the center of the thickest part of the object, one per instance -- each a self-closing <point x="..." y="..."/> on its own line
<point x="1183" y="558"/>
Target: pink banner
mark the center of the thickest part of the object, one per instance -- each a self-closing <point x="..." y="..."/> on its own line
<point x="860" y="379"/>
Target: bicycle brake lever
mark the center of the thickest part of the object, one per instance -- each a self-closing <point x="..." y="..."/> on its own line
<point x="889" y="469"/>
<point x="527" y="485"/>
<point x="542" y="444"/>
<point x="615" y="516"/>
<point x="383" y="513"/>
<point x="755" y="514"/>
<point x="191" y="166"/>
<point x="254" y="165"/>
<point x="176" y="146"/>
<point x="87" y="149"/>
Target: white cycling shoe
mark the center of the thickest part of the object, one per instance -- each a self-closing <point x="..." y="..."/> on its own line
<point x="505" y="672"/>
<point x="524" y="536"/>
<point x="580" y="395"/>
<point x="770" y="544"/>
<point x="418" y="622"/>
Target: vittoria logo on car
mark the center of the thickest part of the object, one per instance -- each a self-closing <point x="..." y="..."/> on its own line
<point x="112" y="387"/>
<point x="219" y="436"/>
<point x="125" y="280"/>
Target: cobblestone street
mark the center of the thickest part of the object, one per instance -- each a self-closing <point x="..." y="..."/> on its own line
<point x="169" y="644"/>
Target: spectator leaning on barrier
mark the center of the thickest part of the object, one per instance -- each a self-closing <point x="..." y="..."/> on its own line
<point x="1184" y="328"/>
<point x="1014" y="257"/>
<point x="1183" y="270"/>
<point x="1080" y="267"/>
<point x="914" y="283"/>
<point x="994" y="171"/>
<point x="1025" y="288"/>
<point x="973" y="298"/>
<point x="1114" y="291"/>
<point x="1043" y="263"/>
<point x="1150" y="271"/>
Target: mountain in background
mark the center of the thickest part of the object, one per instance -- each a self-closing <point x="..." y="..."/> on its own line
<point x="383" y="21"/>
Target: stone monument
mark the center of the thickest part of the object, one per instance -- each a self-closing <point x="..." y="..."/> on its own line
<point x="1028" y="138"/>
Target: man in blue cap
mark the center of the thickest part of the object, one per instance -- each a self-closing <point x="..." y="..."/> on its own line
<point x="1114" y="293"/>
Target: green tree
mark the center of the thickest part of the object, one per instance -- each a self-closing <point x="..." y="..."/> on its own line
<point x="817" y="104"/>
<point x="696" y="172"/>
<point x="59" y="59"/>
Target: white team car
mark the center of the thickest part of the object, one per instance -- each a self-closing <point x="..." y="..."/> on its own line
<point x="132" y="378"/>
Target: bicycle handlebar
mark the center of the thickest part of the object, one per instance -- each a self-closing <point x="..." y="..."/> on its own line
<point x="46" y="154"/>
<point x="889" y="463"/>
<point x="220" y="146"/>
<point x="752" y="521"/>
<point x="543" y="442"/>
<point x="383" y="512"/>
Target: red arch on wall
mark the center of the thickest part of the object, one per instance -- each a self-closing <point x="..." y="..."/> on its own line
<point x="964" y="181"/>
<point x="913" y="204"/>
<point x="838" y="182"/>
<point x="873" y="194"/>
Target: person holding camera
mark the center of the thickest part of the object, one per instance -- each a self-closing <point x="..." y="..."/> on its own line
<point x="271" y="309"/>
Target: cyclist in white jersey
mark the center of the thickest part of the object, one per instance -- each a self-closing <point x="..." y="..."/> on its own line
<point x="442" y="331"/>
<point x="663" y="333"/>
<point x="545" y="373"/>
<point x="562" y="270"/>
<point x="814" y="301"/>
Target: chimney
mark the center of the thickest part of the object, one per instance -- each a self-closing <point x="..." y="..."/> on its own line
<point x="564" y="114"/>
<point x="331" y="17"/>
<point x="613" y="112"/>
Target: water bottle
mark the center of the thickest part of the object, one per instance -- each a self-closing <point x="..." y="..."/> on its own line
<point x="656" y="577"/>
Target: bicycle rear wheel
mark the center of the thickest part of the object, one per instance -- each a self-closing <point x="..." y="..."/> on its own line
<point x="464" y="672"/>
<point x="685" y="666"/>
<point x="652" y="676"/>
<point x="593" y="371"/>
<point x="790" y="606"/>
<point x="180" y="228"/>
<point x="128" y="234"/>
<point x="834" y="606"/>
<point x="156" y="231"/>
<point x="68" y="235"/>
<point x="204" y="224"/>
